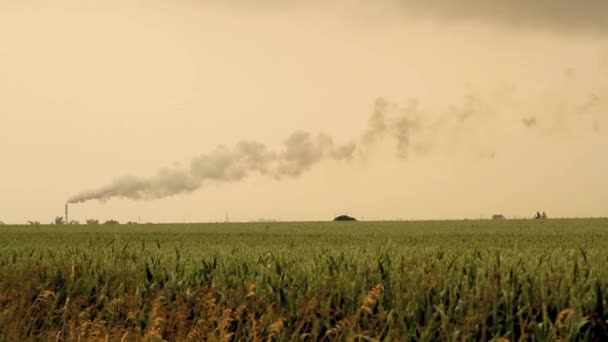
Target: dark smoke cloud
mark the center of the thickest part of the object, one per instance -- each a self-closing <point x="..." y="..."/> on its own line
<point x="559" y="15"/>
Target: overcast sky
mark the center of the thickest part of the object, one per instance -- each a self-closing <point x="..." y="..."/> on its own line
<point x="488" y="107"/>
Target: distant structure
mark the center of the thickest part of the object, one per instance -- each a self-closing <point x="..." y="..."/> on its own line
<point x="344" y="218"/>
<point x="498" y="217"/>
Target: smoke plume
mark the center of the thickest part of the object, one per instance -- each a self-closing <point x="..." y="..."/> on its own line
<point x="474" y="124"/>
<point x="300" y="152"/>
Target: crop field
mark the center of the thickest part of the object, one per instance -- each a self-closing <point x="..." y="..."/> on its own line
<point x="502" y="280"/>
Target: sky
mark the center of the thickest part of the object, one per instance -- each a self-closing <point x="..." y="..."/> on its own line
<point x="198" y="111"/>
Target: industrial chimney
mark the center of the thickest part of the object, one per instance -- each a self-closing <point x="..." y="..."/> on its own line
<point x="66" y="214"/>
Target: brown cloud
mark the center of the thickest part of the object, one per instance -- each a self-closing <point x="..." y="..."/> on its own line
<point x="560" y="15"/>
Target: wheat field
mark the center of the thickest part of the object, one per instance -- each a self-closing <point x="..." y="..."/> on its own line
<point x="470" y="280"/>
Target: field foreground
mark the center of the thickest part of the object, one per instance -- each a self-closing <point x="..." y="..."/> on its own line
<point x="423" y="281"/>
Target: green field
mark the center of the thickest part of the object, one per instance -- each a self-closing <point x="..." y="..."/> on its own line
<point x="422" y="281"/>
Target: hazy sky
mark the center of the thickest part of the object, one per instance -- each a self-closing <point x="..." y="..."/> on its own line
<point x="453" y="109"/>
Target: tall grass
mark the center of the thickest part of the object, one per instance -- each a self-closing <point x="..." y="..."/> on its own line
<point x="419" y="281"/>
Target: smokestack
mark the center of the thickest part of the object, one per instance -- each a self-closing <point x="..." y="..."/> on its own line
<point x="66" y="214"/>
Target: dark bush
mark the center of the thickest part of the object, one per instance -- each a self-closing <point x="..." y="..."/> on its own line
<point x="345" y="218"/>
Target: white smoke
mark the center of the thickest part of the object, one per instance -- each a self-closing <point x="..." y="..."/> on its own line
<point x="414" y="130"/>
<point x="301" y="151"/>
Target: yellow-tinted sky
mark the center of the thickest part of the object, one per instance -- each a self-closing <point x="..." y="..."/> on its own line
<point x="488" y="108"/>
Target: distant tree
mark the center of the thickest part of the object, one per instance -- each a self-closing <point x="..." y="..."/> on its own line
<point x="59" y="220"/>
<point x="498" y="217"/>
<point x="345" y="218"/>
<point x="92" y="221"/>
<point x="33" y="223"/>
<point x="74" y="222"/>
<point x="1" y="223"/>
<point x="111" y="221"/>
<point x="132" y="222"/>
